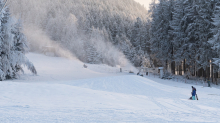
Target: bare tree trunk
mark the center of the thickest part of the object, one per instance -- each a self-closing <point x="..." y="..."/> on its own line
<point x="195" y="69"/>
<point x="212" y="74"/>
<point x="216" y="78"/>
<point x="184" y="66"/>
<point x="205" y="71"/>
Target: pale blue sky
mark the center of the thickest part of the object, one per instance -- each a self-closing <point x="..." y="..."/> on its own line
<point x="144" y="2"/>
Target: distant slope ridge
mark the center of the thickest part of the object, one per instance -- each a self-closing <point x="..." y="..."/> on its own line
<point x="41" y="8"/>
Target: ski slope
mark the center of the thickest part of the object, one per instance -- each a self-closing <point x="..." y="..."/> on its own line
<point x="65" y="92"/>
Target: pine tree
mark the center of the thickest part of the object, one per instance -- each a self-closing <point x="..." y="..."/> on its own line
<point x="136" y="34"/>
<point x="13" y="47"/>
<point x="196" y="25"/>
<point x="215" y="41"/>
<point x="204" y="21"/>
<point x="161" y="46"/>
<point x="177" y="31"/>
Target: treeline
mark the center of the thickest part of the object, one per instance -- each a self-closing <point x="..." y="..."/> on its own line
<point x="184" y="34"/>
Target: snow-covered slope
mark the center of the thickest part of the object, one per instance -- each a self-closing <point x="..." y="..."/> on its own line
<point x="88" y="96"/>
<point x="57" y="69"/>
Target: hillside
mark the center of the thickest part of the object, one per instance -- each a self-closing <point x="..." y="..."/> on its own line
<point x="79" y="8"/>
<point x="93" y="30"/>
<point x="58" y="69"/>
<point x="76" y="94"/>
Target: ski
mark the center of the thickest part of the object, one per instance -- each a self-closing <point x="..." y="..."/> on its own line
<point x="197" y="97"/>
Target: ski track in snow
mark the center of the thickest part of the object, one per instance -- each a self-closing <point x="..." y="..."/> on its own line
<point x="112" y="97"/>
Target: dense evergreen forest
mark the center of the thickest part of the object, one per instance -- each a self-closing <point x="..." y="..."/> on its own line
<point x="180" y="35"/>
<point x="95" y="31"/>
<point x="184" y="35"/>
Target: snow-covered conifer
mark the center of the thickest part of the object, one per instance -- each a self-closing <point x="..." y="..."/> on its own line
<point x="215" y="40"/>
<point x="177" y="31"/>
<point x="161" y="46"/>
<point x="13" y="47"/>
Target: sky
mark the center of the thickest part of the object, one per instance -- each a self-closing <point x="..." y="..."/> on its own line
<point x="144" y="2"/>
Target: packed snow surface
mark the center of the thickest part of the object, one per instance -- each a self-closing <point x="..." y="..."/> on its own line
<point x="66" y="92"/>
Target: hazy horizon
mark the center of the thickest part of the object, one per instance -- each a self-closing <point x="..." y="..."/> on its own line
<point x="144" y="2"/>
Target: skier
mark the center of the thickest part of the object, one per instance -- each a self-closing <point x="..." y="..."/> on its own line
<point x="193" y="93"/>
<point x="84" y="66"/>
<point x="208" y="81"/>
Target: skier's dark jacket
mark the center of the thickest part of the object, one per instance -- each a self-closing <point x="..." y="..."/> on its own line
<point x="194" y="91"/>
